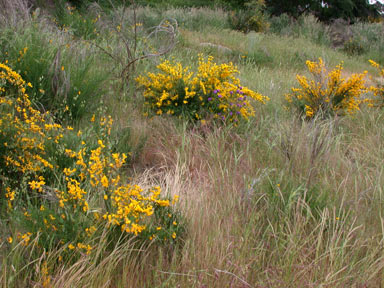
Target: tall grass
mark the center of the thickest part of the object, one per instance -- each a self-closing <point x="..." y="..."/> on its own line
<point x="307" y="26"/>
<point x="193" y="18"/>
<point x="369" y="36"/>
<point x="270" y="215"/>
<point x="65" y="75"/>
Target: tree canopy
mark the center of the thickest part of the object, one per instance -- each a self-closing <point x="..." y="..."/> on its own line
<point x="326" y="10"/>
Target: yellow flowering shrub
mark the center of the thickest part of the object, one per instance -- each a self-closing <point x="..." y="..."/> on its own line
<point x="66" y="195"/>
<point x="327" y="93"/>
<point x="24" y="132"/>
<point x="378" y="91"/>
<point x="212" y="91"/>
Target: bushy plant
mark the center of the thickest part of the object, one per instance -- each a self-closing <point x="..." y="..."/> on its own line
<point x="213" y="91"/>
<point x="354" y="47"/>
<point x="306" y="26"/>
<point x="249" y="19"/>
<point x="280" y="24"/>
<point x="81" y="25"/>
<point x="38" y="56"/>
<point x="63" y="195"/>
<point x="369" y="39"/>
<point x="327" y="93"/>
<point x="378" y="90"/>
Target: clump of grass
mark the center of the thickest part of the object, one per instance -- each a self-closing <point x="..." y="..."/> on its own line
<point x="368" y="38"/>
<point x="81" y="25"/>
<point x="12" y="12"/>
<point x="306" y="26"/>
<point x="64" y="75"/>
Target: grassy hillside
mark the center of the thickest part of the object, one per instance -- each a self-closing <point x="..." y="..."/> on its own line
<point x="280" y="199"/>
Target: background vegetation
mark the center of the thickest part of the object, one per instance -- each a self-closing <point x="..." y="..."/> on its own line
<point x="290" y="196"/>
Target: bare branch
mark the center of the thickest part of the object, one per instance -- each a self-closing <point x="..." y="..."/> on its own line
<point x="164" y="33"/>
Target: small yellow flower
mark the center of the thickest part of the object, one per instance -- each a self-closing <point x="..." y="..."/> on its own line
<point x="36" y="184"/>
<point x="10" y="240"/>
<point x="175" y="199"/>
<point x="104" y="181"/>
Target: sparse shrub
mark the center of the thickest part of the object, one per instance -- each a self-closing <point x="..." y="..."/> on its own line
<point x="353" y="47"/>
<point x="328" y="93"/>
<point x="214" y="91"/>
<point x="249" y="19"/>
<point x="280" y="24"/>
<point x="310" y="27"/>
<point x="306" y="26"/>
<point x="378" y="91"/>
<point x="67" y="196"/>
<point x="369" y="37"/>
<point x="82" y="25"/>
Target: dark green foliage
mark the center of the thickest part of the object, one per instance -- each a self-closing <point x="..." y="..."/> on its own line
<point x="347" y="9"/>
<point x="293" y="8"/>
<point x="325" y="10"/>
<point x="179" y="3"/>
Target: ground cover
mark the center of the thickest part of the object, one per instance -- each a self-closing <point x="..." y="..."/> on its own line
<point x="108" y="193"/>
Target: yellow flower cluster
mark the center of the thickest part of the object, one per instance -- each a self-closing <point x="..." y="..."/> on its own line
<point x="378" y="91"/>
<point x="128" y="206"/>
<point x="25" y="129"/>
<point x="93" y="177"/>
<point x="213" y="91"/>
<point x="327" y="93"/>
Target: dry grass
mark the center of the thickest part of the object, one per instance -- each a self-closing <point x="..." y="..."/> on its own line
<point x="13" y="11"/>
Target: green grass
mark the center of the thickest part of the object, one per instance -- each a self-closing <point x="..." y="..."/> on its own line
<point x="273" y="202"/>
<point x="64" y="72"/>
